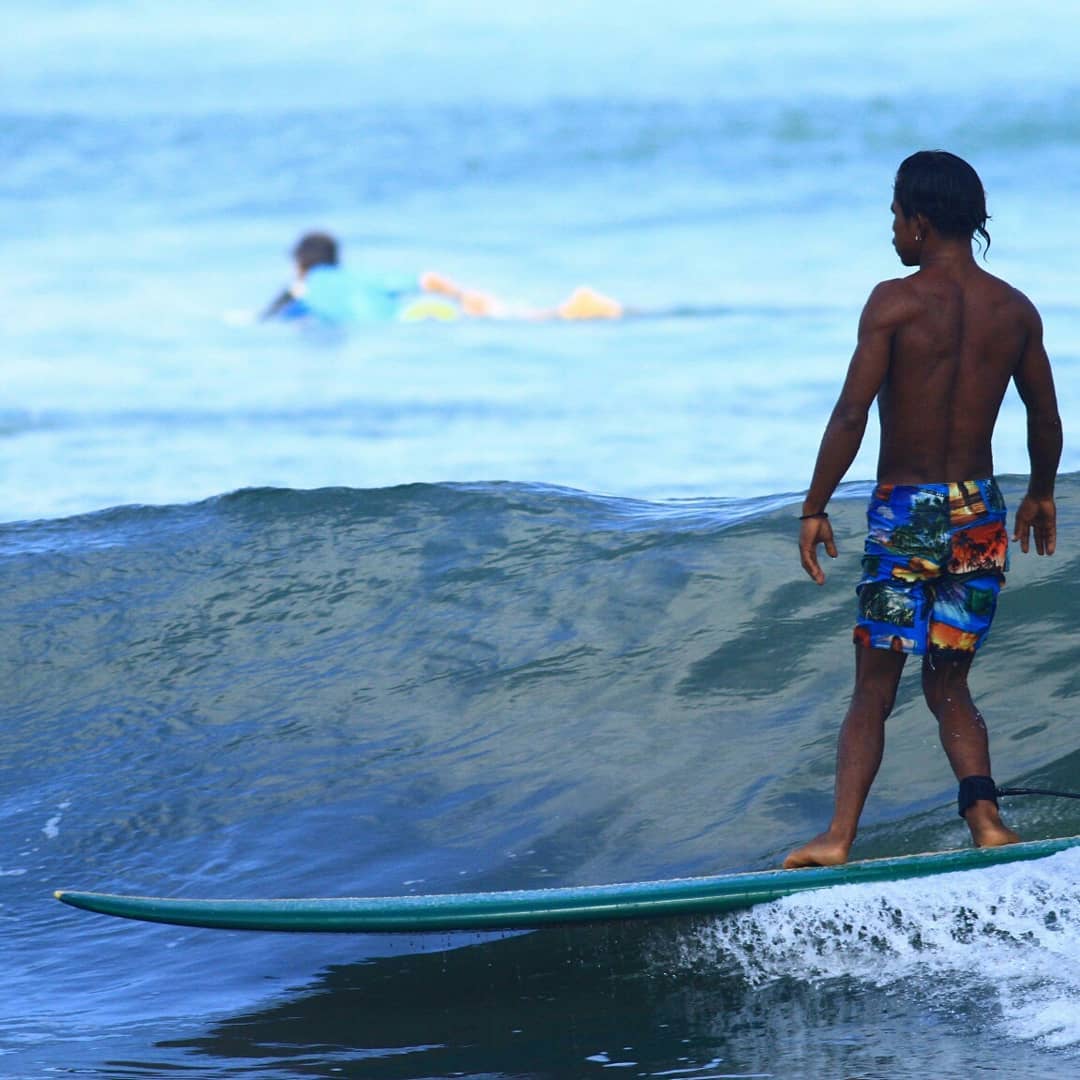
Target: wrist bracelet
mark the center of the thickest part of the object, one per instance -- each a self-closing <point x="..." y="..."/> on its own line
<point x="807" y="517"/>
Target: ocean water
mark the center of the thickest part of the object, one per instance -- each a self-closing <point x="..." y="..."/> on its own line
<point x="418" y="608"/>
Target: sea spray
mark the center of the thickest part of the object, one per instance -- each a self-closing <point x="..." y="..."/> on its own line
<point x="1005" y="936"/>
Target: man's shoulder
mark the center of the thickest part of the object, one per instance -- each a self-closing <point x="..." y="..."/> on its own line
<point x="907" y="296"/>
<point x="892" y="289"/>
<point x="892" y="302"/>
<point x="1007" y="298"/>
<point x="1019" y="298"/>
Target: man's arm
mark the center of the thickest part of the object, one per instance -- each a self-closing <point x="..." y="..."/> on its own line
<point x="1037" y="512"/>
<point x="843" y="436"/>
<point x="472" y="301"/>
<point x="281" y="301"/>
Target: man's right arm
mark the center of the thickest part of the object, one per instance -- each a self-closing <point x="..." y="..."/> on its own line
<point x="1034" y="381"/>
<point x="886" y="308"/>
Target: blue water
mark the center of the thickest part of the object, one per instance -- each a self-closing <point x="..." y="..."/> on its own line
<point x="416" y="608"/>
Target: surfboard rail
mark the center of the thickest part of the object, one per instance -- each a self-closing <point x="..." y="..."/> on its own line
<point x="534" y="908"/>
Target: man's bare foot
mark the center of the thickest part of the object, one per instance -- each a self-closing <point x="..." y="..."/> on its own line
<point x="586" y="303"/>
<point x="824" y="850"/>
<point x="987" y="828"/>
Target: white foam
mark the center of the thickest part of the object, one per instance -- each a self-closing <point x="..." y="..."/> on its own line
<point x="1012" y="931"/>
<point x="52" y="826"/>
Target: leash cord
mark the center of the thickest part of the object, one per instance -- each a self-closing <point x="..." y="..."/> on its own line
<point x="1037" y="791"/>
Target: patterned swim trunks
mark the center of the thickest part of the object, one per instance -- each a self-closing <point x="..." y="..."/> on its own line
<point x="935" y="560"/>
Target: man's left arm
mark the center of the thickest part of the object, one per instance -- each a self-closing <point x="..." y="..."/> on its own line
<point x="472" y="301"/>
<point x="1037" y="513"/>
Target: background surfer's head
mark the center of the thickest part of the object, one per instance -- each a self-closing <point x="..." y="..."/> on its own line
<point x="946" y="190"/>
<point x="315" y="249"/>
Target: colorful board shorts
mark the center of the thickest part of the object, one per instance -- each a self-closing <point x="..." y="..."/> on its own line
<point x="935" y="560"/>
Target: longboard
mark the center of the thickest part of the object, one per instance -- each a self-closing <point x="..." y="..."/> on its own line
<point x="530" y="908"/>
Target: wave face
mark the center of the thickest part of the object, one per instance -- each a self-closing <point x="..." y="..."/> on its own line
<point x="440" y="687"/>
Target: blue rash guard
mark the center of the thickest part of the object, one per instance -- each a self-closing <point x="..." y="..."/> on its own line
<point x="341" y="296"/>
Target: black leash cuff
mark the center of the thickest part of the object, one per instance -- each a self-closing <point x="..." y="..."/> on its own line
<point x="974" y="788"/>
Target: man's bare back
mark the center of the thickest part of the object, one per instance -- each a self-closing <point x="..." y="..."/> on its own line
<point x="937" y="350"/>
<point x="958" y="337"/>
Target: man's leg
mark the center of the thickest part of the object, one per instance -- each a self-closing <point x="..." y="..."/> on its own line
<point x="858" y="755"/>
<point x="963" y="735"/>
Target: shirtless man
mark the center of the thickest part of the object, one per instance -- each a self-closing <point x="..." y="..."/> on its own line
<point x="938" y="350"/>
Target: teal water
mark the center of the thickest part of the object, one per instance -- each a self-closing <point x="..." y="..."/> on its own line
<point x="425" y="608"/>
<point x="737" y="183"/>
<point x="463" y="687"/>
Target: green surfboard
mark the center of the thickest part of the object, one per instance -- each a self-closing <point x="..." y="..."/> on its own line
<point x="530" y="908"/>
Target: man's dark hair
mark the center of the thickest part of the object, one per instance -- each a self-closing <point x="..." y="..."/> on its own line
<point x="946" y="190"/>
<point x="316" y="249"/>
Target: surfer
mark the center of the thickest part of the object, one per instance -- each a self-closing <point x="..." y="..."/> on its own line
<point x="937" y="350"/>
<point x="323" y="290"/>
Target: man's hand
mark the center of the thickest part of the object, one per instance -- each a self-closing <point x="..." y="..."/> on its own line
<point x="472" y="301"/>
<point x="814" y="531"/>
<point x="479" y="304"/>
<point x="1038" y="516"/>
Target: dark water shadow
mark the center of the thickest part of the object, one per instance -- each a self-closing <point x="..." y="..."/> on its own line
<point x="577" y="1002"/>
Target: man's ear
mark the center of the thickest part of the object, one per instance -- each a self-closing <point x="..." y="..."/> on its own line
<point x="922" y="224"/>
